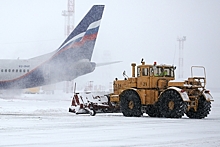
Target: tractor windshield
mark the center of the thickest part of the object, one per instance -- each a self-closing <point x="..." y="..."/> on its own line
<point x="162" y="71"/>
<point x="169" y="72"/>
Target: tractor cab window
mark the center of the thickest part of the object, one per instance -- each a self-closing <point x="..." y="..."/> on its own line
<point x="168" y="72"/>
<point x="138" y="71"/>
<point x="144" y="71"/>
<point x="157" y="71"/>
<point x="162" y="72"/>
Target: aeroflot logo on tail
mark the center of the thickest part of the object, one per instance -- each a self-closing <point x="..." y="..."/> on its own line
<point x="79" y="37"/>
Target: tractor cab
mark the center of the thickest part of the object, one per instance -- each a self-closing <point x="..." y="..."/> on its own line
<point x="153" y="76"/>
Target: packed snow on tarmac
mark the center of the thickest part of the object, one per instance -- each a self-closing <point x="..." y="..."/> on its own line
<point x="44" y="120"/>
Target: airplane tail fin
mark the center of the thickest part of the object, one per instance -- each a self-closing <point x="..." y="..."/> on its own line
<point x="84" y="35"/>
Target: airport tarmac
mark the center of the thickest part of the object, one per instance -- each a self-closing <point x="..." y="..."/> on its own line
<point x="44" y="120"/>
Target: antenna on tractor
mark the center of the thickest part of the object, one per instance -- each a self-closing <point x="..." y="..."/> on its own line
<point x="124" y="74"/>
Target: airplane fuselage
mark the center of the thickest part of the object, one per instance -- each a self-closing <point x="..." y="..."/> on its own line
<point x="71" y="60"/>
<point x="64" y="65"/>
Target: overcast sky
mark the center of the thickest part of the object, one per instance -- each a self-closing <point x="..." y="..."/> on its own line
<point x="129" y="31"/>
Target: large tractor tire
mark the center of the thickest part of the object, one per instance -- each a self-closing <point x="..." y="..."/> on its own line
<point x="130" y="103"/>
<point x="171" y="104"/>
<point x="153" y="110"/>
<point x="202" y="110"/>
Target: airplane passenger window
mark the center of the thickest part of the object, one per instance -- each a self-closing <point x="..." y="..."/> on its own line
<point x="9" y="70"/>
<point x="20" y="70"/>
<point x="16" y="70"/>
<point x="12" y="70"/>
<point x="5" y="70"/>
<point x="27" y="70"/>
<point x="1" y="70"/>
<point x="24" y="70"/>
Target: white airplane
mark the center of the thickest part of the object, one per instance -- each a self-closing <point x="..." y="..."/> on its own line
<point x="71" y="60"/>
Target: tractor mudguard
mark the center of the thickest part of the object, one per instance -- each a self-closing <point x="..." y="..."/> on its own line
<point x="182" y="93"/>
<point x="130" y="89"/>
<point x="208" y="96"/>
<point x="134" y="89"/>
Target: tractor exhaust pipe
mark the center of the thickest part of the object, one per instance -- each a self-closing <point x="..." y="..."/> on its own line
<point x="133" y="69"/>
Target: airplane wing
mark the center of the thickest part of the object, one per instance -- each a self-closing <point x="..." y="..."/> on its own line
<point x="107" y="63"/>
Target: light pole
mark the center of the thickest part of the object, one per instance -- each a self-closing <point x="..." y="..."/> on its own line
<point x="181" y="45"/>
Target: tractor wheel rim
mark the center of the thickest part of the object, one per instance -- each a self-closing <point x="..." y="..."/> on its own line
<point x="131" y="105"/>
<point x="171" y="105"/>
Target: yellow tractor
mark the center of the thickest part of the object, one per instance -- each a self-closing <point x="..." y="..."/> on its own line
<point x="152" y="89"/>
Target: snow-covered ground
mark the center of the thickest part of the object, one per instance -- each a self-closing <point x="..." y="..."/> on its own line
<point x="44" y="120"/>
